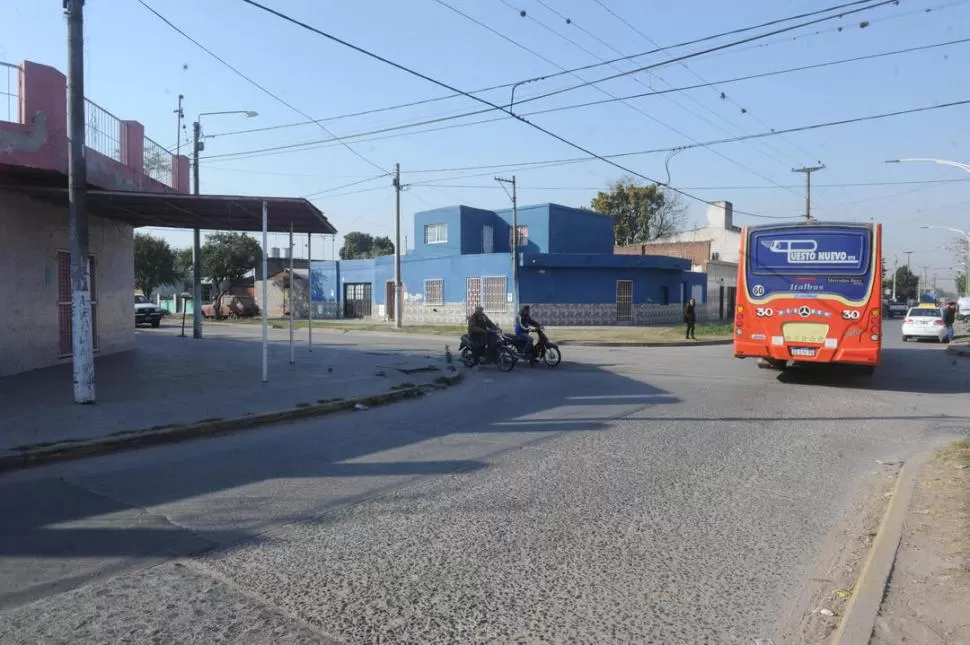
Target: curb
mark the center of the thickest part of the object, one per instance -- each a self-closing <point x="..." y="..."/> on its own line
<point x="957" y="350"/>
<point x="128" y="440"/>
<point x="676" y="343"/>
<point x="859" y="617"/>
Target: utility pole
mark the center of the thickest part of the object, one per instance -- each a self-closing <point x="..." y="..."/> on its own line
<point x="895" y="271"/>
<point x="197" y="239"/>
<point x="180" y="114"/>
<point x="808" y="188"/>
<point x="82" y="338"/>
<point x="397" y="244"/>
<point x="514" y="240"/>
<point x="926" y="280"/>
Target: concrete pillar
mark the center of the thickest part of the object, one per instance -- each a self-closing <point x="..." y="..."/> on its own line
<point x="181" y="174"/>
<point x="133" y="145"/>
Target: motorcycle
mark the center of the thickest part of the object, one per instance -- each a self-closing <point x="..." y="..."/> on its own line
<point x="501" y="354"/>
<point x="544" y="350"/>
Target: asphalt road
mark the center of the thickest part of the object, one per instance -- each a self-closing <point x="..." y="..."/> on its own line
<point x="666" y="495"/>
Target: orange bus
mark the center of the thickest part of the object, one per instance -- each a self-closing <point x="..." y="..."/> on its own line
<point x="810" y="293"/>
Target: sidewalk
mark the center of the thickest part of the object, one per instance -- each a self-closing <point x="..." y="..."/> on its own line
<point x="926" y="600"/>
<point x="170" y="381"/>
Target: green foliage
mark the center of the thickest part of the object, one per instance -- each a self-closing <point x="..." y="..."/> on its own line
<point x="154" y="263"/>
<point x="640" y="213"/>
<point x="906" y="283"/>
<point x="962" y="284"/>
<point x="358" y="246"/>
<point x="227" y="258"/>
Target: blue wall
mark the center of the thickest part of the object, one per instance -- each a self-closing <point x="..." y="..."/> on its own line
<point x="416" y="269"/>
<point x="325" y="281"/>
<point x="451" y="217"/>
<point x="572" y="230"/>
<point x="473" y="220"/>
<point x="598" y="286"/>
<point x="535" y="217"/>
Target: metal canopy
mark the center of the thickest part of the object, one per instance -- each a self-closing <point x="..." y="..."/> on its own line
<point x="212" y="212"/>
<point x="174" y="210"/>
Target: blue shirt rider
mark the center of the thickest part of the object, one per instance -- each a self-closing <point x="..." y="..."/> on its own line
<point x="522" y="324"/>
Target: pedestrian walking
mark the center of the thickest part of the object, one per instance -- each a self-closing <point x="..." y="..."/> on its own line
<point x="690" y="317"/>
<point x="949" y="318"/>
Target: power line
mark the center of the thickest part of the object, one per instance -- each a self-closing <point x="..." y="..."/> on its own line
<point x="633" y="107"/>
<point x="687" y="43"/>
<point x="306" y="145"/>
<point x="254" y="83"/>
<point x="772" y="187"/>
<point x="545" y="131"/>
<point x="746" y="137"/>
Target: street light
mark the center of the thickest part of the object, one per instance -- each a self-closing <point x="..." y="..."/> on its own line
<point x="942" y="162"/>
<point x="197" y="147"/>
<point x="966" y="234"/>
<point x="966" y="266"/>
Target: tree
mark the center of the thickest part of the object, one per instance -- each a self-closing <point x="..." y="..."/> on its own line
<point x="154" y="263"/>
<point x="640" y="213"/>
<point x="962" y="284"/>
<point x="183" y="266"/>
<point x="906" y="283"/>
<point x="360" y="246"/>
<point x="157" y="163"/>
<point x="226" y="259"/>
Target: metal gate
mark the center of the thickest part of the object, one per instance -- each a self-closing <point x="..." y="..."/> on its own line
<point x="473" y="294"/>
<point x="390" y="299"/>
<point x="64" y="298"/>
<point x="624" y="301"/>
<point x="358" y="298"/>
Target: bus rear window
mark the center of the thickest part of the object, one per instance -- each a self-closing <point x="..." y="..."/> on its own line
<point x="822" y="251"/>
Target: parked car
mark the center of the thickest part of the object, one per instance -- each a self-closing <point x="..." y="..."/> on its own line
<point x="146" y="313"/>
<point x="924" y="322"/>
<point x="232" y="307"/>
<point x="896" y="309"/>
<point x="963" y="308"/>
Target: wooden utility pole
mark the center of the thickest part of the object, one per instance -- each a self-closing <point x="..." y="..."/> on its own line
<point x="808" y="188"/>
<point x="82" y="337"/>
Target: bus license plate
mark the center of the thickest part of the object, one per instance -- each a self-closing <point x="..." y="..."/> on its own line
<point x="803" y="351"/>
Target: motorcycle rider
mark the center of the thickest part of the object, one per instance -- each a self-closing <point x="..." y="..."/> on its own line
<point x="522" y="324"/>
<point x="481" y="331"/>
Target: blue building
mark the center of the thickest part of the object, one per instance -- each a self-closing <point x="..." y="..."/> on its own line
<point x="568" y="272"/>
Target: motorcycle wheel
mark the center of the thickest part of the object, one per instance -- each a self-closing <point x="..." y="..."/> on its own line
<point x="468" y="357"/>
<point x="506" y="361"/>
<point x="552" y="356"/>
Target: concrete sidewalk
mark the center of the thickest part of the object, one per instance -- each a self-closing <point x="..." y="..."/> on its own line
<point x="171" y="381"/>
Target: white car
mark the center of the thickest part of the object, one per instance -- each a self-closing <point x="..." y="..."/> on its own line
<point x="963" y="308"/>
<point x="924" y="322"/>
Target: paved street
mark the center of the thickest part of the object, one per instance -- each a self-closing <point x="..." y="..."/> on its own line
<point x="665" y="495"/>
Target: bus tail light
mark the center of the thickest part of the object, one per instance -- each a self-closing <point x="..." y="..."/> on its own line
<point x="739" y="320"/>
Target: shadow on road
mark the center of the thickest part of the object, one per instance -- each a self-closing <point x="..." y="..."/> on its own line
<point x="59" y="530"/>
<point x="916" y="370"/>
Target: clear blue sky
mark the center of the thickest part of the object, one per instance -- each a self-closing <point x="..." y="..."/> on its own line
<point x="136" y="66"/>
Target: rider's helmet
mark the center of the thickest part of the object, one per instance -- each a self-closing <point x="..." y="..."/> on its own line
<point x="479" y="309"/>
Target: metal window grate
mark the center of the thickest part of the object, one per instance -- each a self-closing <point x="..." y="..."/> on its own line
<point x="157" y="162"/>
<point x="624" y="301"/>
<point x="495" y="298"/>
<point x="473" y="293"/>
<point x="435" y="233"/>
<point x="102" y="130"/>
<point x="64" y="300"/>
<point x="434" y="292"/>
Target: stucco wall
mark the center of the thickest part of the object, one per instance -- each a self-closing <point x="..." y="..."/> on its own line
<point x="31" y="234"/>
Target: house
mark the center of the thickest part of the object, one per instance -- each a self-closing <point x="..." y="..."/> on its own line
<point x="712" y="250"/>
<point x="567" y="272"/>
<point x="132" y="182"/>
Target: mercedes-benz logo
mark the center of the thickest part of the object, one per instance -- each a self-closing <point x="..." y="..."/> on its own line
<point x="804" y="312"/>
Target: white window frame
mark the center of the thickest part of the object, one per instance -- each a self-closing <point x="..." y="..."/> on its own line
<point x="441" y="291"/>
<point x="523" y="236"/>
<point x="436" y="233"/>
<point x="505" y="286"/>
